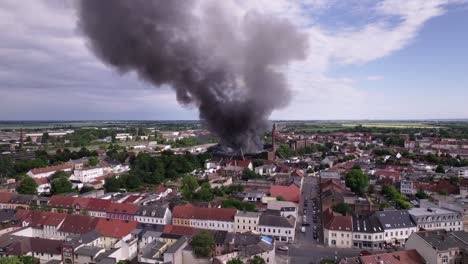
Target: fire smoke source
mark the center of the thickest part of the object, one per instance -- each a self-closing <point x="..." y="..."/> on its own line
<point x="225" y="63"/>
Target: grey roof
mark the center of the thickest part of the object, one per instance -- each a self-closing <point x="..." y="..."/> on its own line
<point x="442" y="240"/>
<point x="395" y="219"/>
<point x="366" y="224"/>
<point x="152" y="248"/>
<point x="178" y="244"/>
<point x="88" y="251"/>
<point x="107" y="261"/>
<point x="7" y="215"/>
<point x="248" y="214"/>
<point x="418" y="212"/>
<point x="151" y="210"/>
<point x="277" y="221"/>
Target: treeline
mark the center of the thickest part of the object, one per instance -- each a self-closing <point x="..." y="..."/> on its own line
<point x="156" y="170"/>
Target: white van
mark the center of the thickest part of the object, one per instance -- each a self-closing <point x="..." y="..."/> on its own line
<point x="303" y="229"/>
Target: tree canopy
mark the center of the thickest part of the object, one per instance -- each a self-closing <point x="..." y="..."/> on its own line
<point x="189" y="185"/>
<point x="357" y="181"/>
<point x="61" y="185"/>
<point x="257" y="260"/>
<point x="203" y="244"/>
<point x="27" y="186"/>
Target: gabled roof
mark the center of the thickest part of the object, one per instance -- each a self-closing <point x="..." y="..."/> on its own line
<point x="151" y="210"/>
<point x="239" y="163"/>
<point x="276" y="221"/>
<point x="289" y="193"/>
<point x="178" y="230"/>
<point x="337" y="222"/>
<point x="99" y="205"/>
<point x="115" y="228"/>
<point x="40" y="219"/>
<point x="396" y="257"/>
<point x="120" y="208"/>
<point x="41" y="181"/>
<point x="395" y="219"/>
<point x="64" y="166"/>
<point x="5" y="197"/>
<point x="78" y="224"/>
<point x="188" y="211"/>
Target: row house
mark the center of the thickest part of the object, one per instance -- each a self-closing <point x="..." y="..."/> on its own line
<point x="440" y="246"/>
<point x="398" y="225"/>
<point x="337" y="230"/>
<point x="436" y="218"/>
<point x="246" y="222"/>
<point x="278" y="227"/>
<point x="204" y="218"/>
<point x="368" y="233"/>
<point x="151" y="214"/>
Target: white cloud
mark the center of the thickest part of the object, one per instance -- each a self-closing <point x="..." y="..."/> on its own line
<point x="40" y="46"/>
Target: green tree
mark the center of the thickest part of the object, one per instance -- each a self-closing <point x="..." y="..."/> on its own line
<point x="61" y="185"/>
<point x="357" y="181"/>
<point x="421" y="194"/>
<point x="112" y="184"/>
<point x="27" y="186"/>
<point x="7" y="168"/>
<point x="203" y="244"/>
<point x="189" y="185"/>
<point x="440" y="169"/>
<point x="10" y="260"/>
<point x="257" y="260"/>
<point x="93" y="161"/>
<point x="249" y="174"/>
<point x="342" y="208"/>
<point x="239" y="205"/>
<point x="235" y="261"/>
<point x="57" y="175"/>
<point x="205" y="193"/>
<point x="279" y="198"/>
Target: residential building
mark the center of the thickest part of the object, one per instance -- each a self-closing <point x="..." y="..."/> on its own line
<point x="204" y="218"/>
<point x="367" y="232"/>
<point x="440" y="246"/>
<point x="152" y="214"/>
<point x="397" y="257"/>
<point x="337" y="230"/>
<point x="47" y="171"/>
<point x="88" y="174"/>
<point x="278" y="227"/>
<point x="291" y="193"/>
<point x="397" y="225"/>
<point x="246" y="222"/>
<point x="284" y="207"/>
<point x="436" y="218"/>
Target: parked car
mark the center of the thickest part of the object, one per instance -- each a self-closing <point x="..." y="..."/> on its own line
<point x="306" y="224"/>
<point x="315" y="235"/>
<point x="283" y="248"/>
<point x="303" y="229"/>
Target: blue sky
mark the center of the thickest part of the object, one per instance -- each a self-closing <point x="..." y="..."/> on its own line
<point x="368" y="59"/>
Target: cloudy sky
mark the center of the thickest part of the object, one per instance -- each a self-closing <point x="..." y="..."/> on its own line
<point x="368" y="59"/>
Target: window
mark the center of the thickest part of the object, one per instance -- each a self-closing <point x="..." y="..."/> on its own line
<point x="444" y="259"/>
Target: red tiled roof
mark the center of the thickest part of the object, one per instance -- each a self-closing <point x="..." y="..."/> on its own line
<point x="188" y="211"/>
<point x="52" y="168"/>
<point x="78" y="224"/>
<point x="122" y="208"/>
<point x="115" y="228"/>
<point x="5" y="197"/>
<point x="99" y="205"/>
<point x="337" y="222"/>
<point x="160" y="190"/>
<point x="40" y="181"/>
<point x="397" y="257"/>
<point x="40" y="219"/>
<point x="289" y="193"/>
<point x="131" y="199"/>
<point x="178" y="230"/>
<point x="297" y="172"/>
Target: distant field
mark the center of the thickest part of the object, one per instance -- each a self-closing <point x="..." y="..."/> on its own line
<point x="391" y="125"/>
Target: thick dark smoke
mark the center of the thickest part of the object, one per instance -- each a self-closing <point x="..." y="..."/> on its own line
<point x="225" y="64"/>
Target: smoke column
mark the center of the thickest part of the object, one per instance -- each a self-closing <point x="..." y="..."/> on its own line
<point x="226" y="65"/>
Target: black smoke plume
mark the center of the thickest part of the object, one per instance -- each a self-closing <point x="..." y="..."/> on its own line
<point x="227" y="65"/>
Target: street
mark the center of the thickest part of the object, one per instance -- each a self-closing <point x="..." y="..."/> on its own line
<point x="306" y="249"/>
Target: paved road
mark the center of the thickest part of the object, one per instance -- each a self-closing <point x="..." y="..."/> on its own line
<point x="305" y="248"/>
